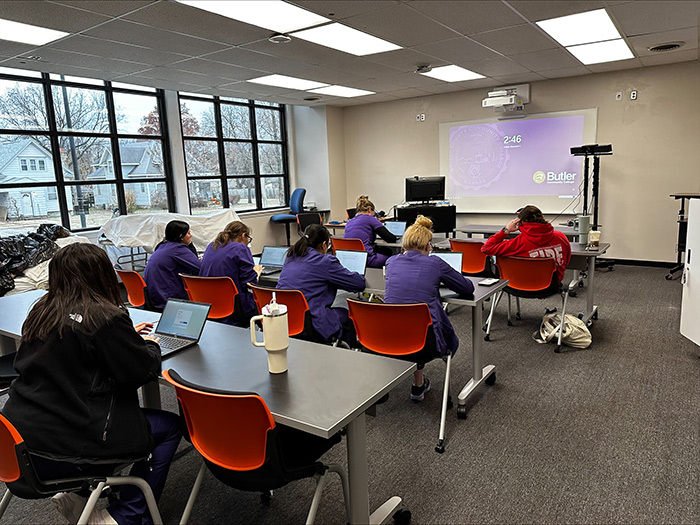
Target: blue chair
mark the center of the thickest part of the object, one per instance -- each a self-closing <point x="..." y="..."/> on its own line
<point x="296" y="205"/>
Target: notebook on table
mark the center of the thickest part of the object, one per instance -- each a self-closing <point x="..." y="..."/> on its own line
<point x="454" y="259"/>
<point x="272" y="259"/>
<point x="398" y="228"/>
<point x="180" y="325"/>
<point x="353" y="260"/>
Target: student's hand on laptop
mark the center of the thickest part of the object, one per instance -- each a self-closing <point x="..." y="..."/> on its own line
<point x="143" y="328"/>
<point x="151" y="338"/>
<point x="258" y="269"/>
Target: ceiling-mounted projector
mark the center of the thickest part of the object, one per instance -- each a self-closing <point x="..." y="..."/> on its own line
<point x="509" y="101"/>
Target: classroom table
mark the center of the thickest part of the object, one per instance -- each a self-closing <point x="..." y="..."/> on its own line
<point x="489" y="229"/>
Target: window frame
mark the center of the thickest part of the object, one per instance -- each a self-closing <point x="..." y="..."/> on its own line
<point x="61" y="184"/>
<point x="223" y="178"/>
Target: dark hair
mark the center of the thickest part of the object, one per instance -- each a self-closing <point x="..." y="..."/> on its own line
<point x="232" y="231"/>
<point x="314" y="236"/>
<point x="364" y="204"/>
<point x="174" y="232"/>
<point x="83" y="291"/>
<point x="531" y="213"/>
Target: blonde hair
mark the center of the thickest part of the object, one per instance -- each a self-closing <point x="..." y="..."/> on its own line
<point x="232" y="231"/>
<point x="364" y="204"/>
<point x="418" y="235"/>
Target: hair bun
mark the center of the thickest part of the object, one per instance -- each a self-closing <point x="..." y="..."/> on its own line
<point x="424" y="221"/>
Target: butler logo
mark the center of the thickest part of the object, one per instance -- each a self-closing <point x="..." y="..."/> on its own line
<point x="539" y="177"/>
<point x="550" y="177"/>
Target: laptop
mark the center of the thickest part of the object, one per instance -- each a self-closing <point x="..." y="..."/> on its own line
<point x="180" y="325"/>
<point x="398" y="228"/>
<point x="454" y="259"/>
<point x="272" y="259"/>
<point x="353" y="260"/>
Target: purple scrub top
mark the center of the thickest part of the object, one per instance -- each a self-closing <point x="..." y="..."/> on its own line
<point x="319" y="276"/>
<point x="162" y="272"/>
<point x="363" y="227"/>
<point x="235" y="261"/>
<point x="414" y="277"/>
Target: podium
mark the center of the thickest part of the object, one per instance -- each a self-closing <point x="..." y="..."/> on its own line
<point x="444" y="217"/>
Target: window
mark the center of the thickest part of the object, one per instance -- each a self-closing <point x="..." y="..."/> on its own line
<point x="235" y="153"/>
<point x="97" y="144"/>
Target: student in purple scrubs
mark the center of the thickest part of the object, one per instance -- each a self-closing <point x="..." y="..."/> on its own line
<point x="414" y="277"/>
<point x="365" y="226"/>
<point x="173" y="255"/>
<point x="229" y="256"/>
<point x="319" y="275"/>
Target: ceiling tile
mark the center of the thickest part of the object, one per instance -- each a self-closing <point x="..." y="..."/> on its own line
<point x="566" y="72"/>
<point x="259" y="61"/>
<point x="196" y="22"/>
<point x="641" y="43"/>
<point x="543" y="10"/>
<point x="164" y="73"/>
<point x="108" y="7"/>
<point x="330" y="76"/>
<point x="338" y="10"/>
<point x="557" y="58"/>
<point x="55" y="56"/>
<point x="449" y="87"/>
<point x="52" y="16"/>
<point x="457" y="50"/>
<point x="406" y="59"/>
<point x="469" y="17"/>
<point x="615" y="66"/>
<point x="408" y="93"/>
<point x="636" y="18"/>
<point x="217" y="69"/>
<point x="670" y="57"/>
<point x="299" y="50"/>
<point x="105" y="48"/>
<point x="498" y="66"/>
<point x="520" y="78"/>
<point x="518" y="39"/>
<point x="15" y="48"/>
<point x="401" y="25"/>
<point x="157" y="83"/>
<point x="154" y="38"/>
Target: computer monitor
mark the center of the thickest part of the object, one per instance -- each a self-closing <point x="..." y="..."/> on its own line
<point x="425" y="189"/>
<point x="396" y="227"/>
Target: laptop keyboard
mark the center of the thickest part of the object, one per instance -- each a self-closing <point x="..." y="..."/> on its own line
<point x="172" y="343"/>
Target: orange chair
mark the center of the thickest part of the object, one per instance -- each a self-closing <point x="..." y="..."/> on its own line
<point x="298" y="313"/>
<point x="341" y="243"/>
<point x="529" y="277"/>
<point x="474" y="261"/>
<point x="403" y="331"/>
<point x="245" y="450"/>
<point x="220" y="292"/>
<point x="135" y="289"/>
<point x="304" y="220"/>
<point x="17" y="471"/>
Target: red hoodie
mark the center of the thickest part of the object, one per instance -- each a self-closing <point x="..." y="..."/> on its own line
<point x="535" y="240"/>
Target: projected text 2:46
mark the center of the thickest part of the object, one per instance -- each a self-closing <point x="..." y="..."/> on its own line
<point x="512" y="139"/>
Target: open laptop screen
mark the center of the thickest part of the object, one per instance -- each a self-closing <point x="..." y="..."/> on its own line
<point x="396" y="227"/>
<point x="273" y="256"/>
<point x="183" y="319"/>
<point x="354" y="261"/>
<point x="454" y="259"/>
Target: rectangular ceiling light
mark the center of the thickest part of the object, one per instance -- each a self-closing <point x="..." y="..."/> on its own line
<point x="341" y="91"/>
<point x="343" y="38"/>
<point x="452" y="74"/>
<point x="599" y="52"/>
<point x="287" y="82"/>
<point x="28" y="34"/>
<point x="274" y="15"/>
<point x="581" y="28"/>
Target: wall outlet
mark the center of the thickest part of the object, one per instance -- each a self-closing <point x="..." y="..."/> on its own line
<point x="633" y="94"/>
<point x="420" y="117"/>
<point x="618" y="95"/>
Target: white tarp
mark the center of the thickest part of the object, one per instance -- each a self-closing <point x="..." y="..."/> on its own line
<point x="147" y="230"/>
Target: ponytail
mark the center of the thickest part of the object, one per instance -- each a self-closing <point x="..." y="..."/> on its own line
<point x="418" y="235"/>
<point x="364" y="204"/>
<point x="233" y="230"/>
<point x="314" y="236"/>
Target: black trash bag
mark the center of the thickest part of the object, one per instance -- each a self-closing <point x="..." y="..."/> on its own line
<point x="19" y="252"/>
<point x="53" y="231"/>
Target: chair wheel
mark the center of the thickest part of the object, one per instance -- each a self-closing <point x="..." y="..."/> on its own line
<point x="484" y="328"/>
<point x="461" y="412"/>
<point x="490" y="380"/>
<point x="510" y="323"/>
<point x="266" y="496"/>
<point x="580" y="284"/>
<point x="440" y="447"/>
<point x="572" y="293"/>
<point x="580" y="315"/>
<point x="487" y="337"/>
<point x="557" y="349"/>
<point x="595" y="315"/>
<point x="402" y="517"/>
<point x="450" y="404"/>
<point x="517" y="316"/>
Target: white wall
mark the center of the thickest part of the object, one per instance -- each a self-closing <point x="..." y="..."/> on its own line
<point x="311" y="159"/>
<point x="655" y="143"/>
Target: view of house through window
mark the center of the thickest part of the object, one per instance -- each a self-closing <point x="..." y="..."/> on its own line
<point x="78" y="151"/>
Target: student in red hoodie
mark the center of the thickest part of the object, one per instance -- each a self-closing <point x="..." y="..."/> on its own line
<point x="537" y="239"/>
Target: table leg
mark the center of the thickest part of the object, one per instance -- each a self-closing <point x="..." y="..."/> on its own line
<point x="481" y="373"/>
<point x="591" y="309"/>
<point x="357" y="472"/>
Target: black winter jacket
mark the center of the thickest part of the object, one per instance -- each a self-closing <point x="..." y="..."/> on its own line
<point x="76" y="397"/>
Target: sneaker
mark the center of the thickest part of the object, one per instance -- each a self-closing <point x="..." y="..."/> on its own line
<point x="418" y="392"/>
<point x="101" y="517"/>
<point x="70" y="505"/>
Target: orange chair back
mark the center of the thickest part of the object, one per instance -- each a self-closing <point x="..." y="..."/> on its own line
<point x="528" y="274"/>
<point x="9" y="439"/>
<point x="294" y="300"/>
<point x="391" y="329"/>
<point x="341" y="243"/>
<point x="238" y="442"/>
<point x="473" y="259"/>
<point x="135" y="286"/>
<point x="219" y="292"/>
